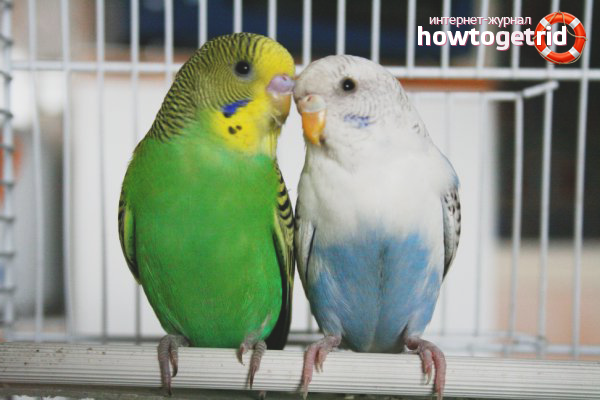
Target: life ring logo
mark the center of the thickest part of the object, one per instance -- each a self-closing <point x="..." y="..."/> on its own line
<point x="545" y="24"/>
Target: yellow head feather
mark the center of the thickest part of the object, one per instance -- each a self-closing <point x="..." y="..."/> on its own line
<point x="241" y="110"/>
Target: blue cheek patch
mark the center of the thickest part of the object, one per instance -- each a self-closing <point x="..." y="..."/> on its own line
<point x="229" y="109"/>
<point x="357" y="121"/>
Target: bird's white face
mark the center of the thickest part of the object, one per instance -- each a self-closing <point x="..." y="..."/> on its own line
<point x="346" y="100"/>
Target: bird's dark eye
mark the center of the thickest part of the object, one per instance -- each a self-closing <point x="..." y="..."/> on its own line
<point x="242" y="68"/>
<point x="348" y="85"/>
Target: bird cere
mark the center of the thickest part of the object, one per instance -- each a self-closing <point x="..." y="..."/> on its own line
<point x="207" y="228"/>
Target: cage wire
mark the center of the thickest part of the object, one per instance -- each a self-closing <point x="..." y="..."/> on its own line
<point x="83" y="80"/>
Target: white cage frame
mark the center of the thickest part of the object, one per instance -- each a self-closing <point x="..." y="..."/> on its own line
<point x="549" y="78"/>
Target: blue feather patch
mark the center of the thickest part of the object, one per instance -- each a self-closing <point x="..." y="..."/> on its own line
<point x="231" y="108"/>
<point x="357" y="121"/>
<point x="373" y="288"/>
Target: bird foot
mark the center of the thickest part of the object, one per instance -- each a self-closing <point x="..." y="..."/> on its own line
<point x="314" y="357"/>
<point x="431" y="356"/>
<point x="259" y="347"/>
<point x="167" y="352"/>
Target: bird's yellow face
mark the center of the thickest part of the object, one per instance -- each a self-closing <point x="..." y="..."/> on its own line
<point x="245" y="90"/>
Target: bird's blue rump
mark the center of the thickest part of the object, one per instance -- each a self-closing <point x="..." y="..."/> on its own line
<point x="374" y="289"/>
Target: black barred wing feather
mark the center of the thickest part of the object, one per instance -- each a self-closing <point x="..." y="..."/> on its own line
<point x="451" y="212"/>
<point x="127" y="235"/>
<point x="283" y="238"/>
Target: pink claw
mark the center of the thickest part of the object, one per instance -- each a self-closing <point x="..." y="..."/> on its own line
<point x="314" y="357"/>
<point x="431" y="356"/>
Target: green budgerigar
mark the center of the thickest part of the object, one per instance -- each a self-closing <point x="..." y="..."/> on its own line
<point x="205" y="220"/>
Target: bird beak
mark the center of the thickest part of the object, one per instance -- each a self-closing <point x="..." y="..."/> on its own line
<point x="280" y="92"/>
<point x="313" y="108"/>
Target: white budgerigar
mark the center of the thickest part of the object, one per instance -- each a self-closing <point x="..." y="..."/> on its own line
<point x="378" y="214"/>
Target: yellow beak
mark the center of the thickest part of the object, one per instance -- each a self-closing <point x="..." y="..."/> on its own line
<point x="313" y="109"/>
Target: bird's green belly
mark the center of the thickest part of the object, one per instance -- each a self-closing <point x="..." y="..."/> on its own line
<point x="207" y="260"/>
<point x="213" y="294"/>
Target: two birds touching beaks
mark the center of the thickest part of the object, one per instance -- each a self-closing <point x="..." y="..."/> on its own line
<point x="207" y="227"/>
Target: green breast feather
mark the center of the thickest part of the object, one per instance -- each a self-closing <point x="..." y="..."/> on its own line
<point x="208" y="234"/>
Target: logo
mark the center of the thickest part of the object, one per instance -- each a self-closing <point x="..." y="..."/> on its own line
<point x="574" y="52"/>
<point x="540" y="38"/>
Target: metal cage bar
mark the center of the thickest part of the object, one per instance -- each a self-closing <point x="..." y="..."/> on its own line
<point x="39" y="198"/>
<point x="514" y="52"/>
<point x="545" y="220"/>
<point x="272" y="19"/>
<point x="491" y="73"/>
<point x="579" y="185"/>
<point x="554" y="5"/>
<point x="306" y="32"/>
<point x="135" y="76"/>
<point x="482" y="167"/>
<point x="100" y="50"/>
<point x="66" y="166"/>
<point x="237" y="15"/>
<point x="485" y="8"/>
<point x="516" y="220"/>
<point x="340" y="37"/>
<point x="410" y="36"/>
<point x="7" y="216"/>
<point x="375" y="29"/>
<point x="203" y="22"/>
<point x="169" y="70"/>
<point x="445" y="58"/>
